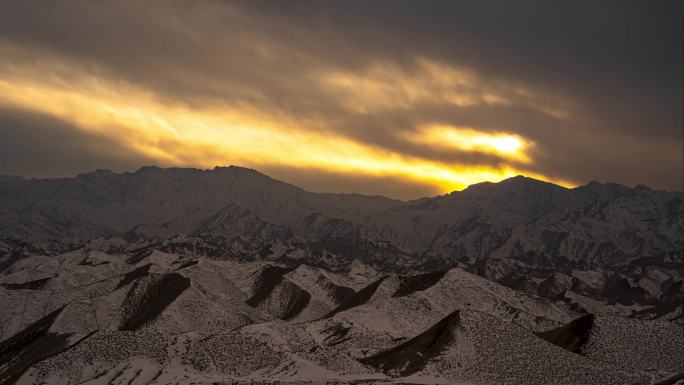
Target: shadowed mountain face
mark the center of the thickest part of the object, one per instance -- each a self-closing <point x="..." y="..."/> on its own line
<point x="606" y="242"/>
<point x="414" y="355"/>
<point x="178" y="319"/>
<point x="521" y="218"/>
<point x="171" y="276"/>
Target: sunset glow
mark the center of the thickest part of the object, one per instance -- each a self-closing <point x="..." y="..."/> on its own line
<point x="505" y="145"/>
<point x="217" y="134"/>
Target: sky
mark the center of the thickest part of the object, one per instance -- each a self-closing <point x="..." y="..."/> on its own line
<point x="392" y="97"/>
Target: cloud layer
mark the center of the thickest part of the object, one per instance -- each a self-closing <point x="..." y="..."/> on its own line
<point x="390" y="97"/>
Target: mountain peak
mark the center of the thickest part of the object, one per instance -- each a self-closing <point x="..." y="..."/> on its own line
<point x="600" y="189"/>
<point x="151" y="170"/>
<point x="233" y="168"/>
<point x="516" y="183"/>
<point x="145" y="170"/>
<point x="526" y="180"/>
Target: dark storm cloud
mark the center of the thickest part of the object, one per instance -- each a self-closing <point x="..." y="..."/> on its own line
<point x="614" y="68"/>
<point x="35" y="145"/>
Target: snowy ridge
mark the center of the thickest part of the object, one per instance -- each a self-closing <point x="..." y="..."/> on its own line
<point x="180" y="276"/>
<point x="595" y="224"/>
<point x="169" y="318"/>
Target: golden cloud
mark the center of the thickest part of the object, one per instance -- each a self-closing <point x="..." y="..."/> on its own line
<point x="220" y="134"/>
<point x="387" y="86"/>
<point x="502" y="144"/>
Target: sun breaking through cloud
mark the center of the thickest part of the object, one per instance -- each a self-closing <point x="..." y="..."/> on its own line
<point x="371" y="97"/>
<point x="177" y="134"/>
<point x="505" y="145"/>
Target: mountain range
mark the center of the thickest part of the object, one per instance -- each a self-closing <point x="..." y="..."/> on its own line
<point x="227" y="275"/>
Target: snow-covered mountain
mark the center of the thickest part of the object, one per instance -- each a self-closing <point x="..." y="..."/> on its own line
<point x="595" y="224"/>
<point x="214" y="276"/>
<point x="96" y="318"/>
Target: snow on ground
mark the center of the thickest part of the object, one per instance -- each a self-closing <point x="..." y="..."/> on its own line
<point x="168" y="318"/>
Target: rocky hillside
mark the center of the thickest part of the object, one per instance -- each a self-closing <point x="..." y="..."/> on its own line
<point x="520" y="218"/>
<point x="179" y="276"/>
<point x="599" y="242"/>
<point x="91" y="317"/>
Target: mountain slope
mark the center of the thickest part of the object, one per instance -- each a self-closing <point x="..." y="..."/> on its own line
<point x="178" y="276"/>
<point x="609" y="243"/>
<point x="520" y="217"/>
<point x="165" y="318"/>
<point x="477" y="347"/>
